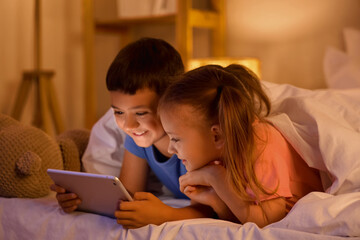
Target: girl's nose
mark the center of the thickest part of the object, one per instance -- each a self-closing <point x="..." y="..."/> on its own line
<point x="171" y="149"/>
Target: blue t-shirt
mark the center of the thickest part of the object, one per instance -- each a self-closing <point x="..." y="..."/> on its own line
<point x="168" y="172"/>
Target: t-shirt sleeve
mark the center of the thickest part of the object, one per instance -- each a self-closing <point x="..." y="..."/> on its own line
<point x="271" y="167"/>
<point x="105" y="150"/>
<point x="131" y="146"/>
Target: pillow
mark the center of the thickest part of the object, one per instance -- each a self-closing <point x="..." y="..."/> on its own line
<point x="352" y="43"/>
<point x="342" y="70"/>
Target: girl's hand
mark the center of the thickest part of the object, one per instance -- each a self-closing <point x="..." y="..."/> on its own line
<point x="67" y="201"/>
<point x="200" y="185"/>
<point x="207" y="196"/>
<point x="205" y="176"/>
<point x="203" y="194"/>
<point x="197" y="185"/>
<point x="145" y="209"/>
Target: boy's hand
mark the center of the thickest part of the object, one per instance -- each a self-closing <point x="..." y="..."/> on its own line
<point x="145" y="209"/>
<point x="67" y="201"/>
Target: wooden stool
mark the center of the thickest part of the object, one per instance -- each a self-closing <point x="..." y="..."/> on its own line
<point x="46" y="105"/>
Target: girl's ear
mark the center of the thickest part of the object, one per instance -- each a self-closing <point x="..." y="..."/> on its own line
<point x="218" y="136"/>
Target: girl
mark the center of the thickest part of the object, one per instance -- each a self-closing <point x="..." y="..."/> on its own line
<point x="237" y="162"/>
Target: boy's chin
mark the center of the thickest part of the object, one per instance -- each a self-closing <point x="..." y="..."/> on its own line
<point x="143" y="144"/>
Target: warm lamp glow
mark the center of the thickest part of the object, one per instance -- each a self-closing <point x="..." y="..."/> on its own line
<point x="252" y="63"/>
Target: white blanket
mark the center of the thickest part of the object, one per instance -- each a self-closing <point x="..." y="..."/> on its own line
<point x="316" y="216"/>
<point x="323" y="126"/>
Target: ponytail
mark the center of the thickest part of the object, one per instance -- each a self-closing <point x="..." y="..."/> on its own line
<point x="239" y="137"/>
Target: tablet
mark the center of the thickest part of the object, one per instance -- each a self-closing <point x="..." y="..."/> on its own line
<point x="99" y="193"/>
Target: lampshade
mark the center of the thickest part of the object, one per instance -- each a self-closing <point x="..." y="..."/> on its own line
<point x="252" y="63"/>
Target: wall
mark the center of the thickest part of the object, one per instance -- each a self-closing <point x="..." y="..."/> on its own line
<point x="61" y="53"/>
<point x="289" y="37"/>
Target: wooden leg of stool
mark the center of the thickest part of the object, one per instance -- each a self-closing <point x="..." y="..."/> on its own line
<point x="43" y="114"/>
<point x="54" y="108"/>
<point x="22" y="95"/>
<point x="37" y="119"/>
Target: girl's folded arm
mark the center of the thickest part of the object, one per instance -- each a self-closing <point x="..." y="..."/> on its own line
<point x="267" y="212"/>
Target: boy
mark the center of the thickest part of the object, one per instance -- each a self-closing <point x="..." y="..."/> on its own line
<point x="136" y="79"/>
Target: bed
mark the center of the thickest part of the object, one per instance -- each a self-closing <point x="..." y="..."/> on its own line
<point x="322" y="125"/>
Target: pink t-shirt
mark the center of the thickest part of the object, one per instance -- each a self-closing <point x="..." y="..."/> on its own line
<point x="279" y="166"/>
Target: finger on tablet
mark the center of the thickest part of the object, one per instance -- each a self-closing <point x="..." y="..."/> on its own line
<point x="62" y="197"/>
<point x="57" y="188"/>
<point x="70" y="203"/>
<point x="70" y="209"/>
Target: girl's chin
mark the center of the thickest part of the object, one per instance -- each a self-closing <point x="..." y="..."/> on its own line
<point x="189" y="168"/>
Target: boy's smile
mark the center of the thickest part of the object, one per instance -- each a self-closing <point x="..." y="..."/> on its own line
<point x="136" y="115"/>
<point x="139" y="134"/>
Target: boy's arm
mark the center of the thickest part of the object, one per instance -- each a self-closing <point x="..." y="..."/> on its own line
<point x="133" y="174"/>
<point x="148" y="209"/>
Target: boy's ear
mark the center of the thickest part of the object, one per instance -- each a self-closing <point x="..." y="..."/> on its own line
<point x="218" y="136"/>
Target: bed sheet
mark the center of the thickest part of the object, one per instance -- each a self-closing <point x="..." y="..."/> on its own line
<point x="316" y="216"/>
<point x="322" y="125"/>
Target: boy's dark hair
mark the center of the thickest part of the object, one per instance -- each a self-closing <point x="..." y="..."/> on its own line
<point x="146" y="63"/>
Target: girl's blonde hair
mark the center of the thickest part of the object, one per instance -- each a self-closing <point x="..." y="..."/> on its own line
<point x="233" y="98"/>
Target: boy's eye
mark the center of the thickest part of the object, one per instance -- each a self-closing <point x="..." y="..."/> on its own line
<point x="141" y="113"/>
<point x="118" y="112"/>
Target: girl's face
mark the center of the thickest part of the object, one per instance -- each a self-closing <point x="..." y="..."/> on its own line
<point x="192" y="139"/>
<point x="136" y="116"/>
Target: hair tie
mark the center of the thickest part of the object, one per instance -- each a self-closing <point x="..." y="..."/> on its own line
<point x="218" y="93"/>
<point x="219" y="90"/>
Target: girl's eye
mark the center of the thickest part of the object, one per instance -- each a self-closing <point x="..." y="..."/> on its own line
<point x="175" y="140"/>
<point x="141" y="113"/>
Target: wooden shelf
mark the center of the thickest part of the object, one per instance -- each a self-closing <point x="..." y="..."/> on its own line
<point x="133" y="22"/>
<point x="199" y="18"/>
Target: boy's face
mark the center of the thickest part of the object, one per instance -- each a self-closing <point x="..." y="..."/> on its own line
<point x="193" y="140"/>
<point x="136" y="116"/>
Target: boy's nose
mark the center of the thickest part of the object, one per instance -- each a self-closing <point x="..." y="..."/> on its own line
<point x="130" y="123"/>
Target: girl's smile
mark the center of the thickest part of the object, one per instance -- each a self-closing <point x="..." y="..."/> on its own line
<point x="194" y="142"/>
